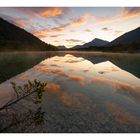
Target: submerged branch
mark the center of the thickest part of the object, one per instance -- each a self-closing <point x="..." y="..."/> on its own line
<point x="26" y="90"/>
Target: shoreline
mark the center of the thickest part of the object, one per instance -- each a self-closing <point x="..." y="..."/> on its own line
<point x="71" y="51"/>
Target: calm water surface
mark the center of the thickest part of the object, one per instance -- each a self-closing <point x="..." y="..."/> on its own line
<point x="86" y="92"/>
<point x="12" y="64"/>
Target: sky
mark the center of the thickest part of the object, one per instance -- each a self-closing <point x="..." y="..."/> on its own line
<point x="70" y="26"/>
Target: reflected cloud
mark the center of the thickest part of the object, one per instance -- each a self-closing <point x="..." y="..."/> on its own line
<point x="74" y="61"/>
<point x="23" y="77"/>
<point x="51" y="69"/>
<point x="53" y="86"/>
<point x="77" y="101"/>
<point x="121" y="115"/>
<point x="85" y="70"/>
<point x="54" y="65"/>
<point x="71" y="69"/>
<point x="76" y="78"/>
<point x="125" y="89"/>
<point x="76" y="82"/>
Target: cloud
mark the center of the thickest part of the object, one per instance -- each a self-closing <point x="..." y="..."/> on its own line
<point x="75" y="22"/>
<point x="74" y="40"/>
<point x="51" y="12"/>
<point x="130" y="12"/>
<point x="41" y="11"/>
<point x="104" y="19"/>
<point x="116" y="32"/>
<point x="43" y="32"/>
<point x="57" y="41"/>
<point x="21" y="22"/>
<point x="106" y="29"/>
<point x="80" y="21"/>
<point x="126" y="12"/>
<point x="57" y="35"/>
<point x="87" y="30"/>
<point x="72" y="31"/>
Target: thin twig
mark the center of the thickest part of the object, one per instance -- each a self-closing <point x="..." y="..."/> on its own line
<point x="16" y="100"/>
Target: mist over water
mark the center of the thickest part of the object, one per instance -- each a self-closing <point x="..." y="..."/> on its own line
<point x="15" y="63"/>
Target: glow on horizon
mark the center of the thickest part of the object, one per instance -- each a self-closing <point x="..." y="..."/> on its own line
<point x="70" y="26"/>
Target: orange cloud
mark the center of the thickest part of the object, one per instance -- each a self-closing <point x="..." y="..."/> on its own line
<point x="118" y="85"/>
<point x="43" y="32"/>
<point x="51" y="12"/>
<point x="121" y="115"/>
<point x="41" y="11"/>
<point x="130" y="12"/>
<point x="53" y="86"/>
<point x="79" y="21"/>
<point x="76" y="100"/>
<point x="124" y="13"/>
<point x="51" y="69"/>
<point x="21" y="22"/>
<point x="76" y="78"/>
<point x="104" y="19"/>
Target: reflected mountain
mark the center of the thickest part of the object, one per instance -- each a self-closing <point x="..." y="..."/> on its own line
<point x="81" y="96"/>
<point x="128" y="62"/>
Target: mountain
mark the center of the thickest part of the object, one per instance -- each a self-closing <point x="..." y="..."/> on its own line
<point x="128" y="42"/>
<point x="95" y="42"/>
<point x="14" y="38"/>
<point x="61" y="47"/>
<point x="127" y="38"/>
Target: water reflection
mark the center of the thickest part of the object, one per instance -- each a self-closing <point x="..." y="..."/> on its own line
<point x="81" y="91"/>
<point x="121" y="115"/>
<point x="101" y="81"/>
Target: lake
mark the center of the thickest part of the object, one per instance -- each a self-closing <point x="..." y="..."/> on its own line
<point x="15" y="63"/>
<point x="85" y="92"/>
